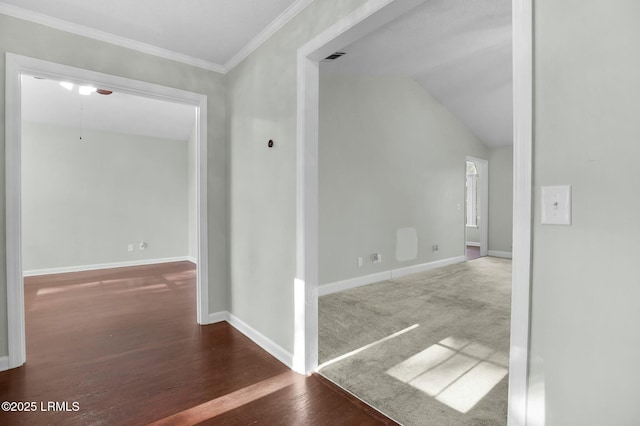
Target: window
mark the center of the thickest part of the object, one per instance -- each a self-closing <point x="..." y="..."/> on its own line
<point x="472" y="194"/>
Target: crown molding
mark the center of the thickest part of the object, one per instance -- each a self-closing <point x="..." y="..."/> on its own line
<point x="290" y="13"/>
<point x="81" y="30"/>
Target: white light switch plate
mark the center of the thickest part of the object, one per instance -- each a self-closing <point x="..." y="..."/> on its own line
<point x="556" y="205"/>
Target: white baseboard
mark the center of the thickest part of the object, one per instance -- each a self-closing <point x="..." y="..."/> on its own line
<point x="82" y="268"/>
<point x="397" y="273"/>
<point x="325" y="289"/>
<point x="275" y="350"/>
<point x="261" y="340"/>
<point x="472" y="244"/>
<point x="218" y="317"/>
<point x="502" y="254"/>
<point x="192" y="260"/>
<point x="4" y="363"/>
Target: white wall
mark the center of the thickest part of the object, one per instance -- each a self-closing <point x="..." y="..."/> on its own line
<point x="501" y="199"/>
<point x="41" y="42"/>
<point x="585" y="343"/>
<point x="85" y="200"/>
<point x="391" y="157"/>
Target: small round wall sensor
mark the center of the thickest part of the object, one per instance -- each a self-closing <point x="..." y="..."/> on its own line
<point x="270" y="143"/>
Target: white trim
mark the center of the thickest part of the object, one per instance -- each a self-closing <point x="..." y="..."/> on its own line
<point x="501" y="254"/>
<point x="202" y="210"/>
<point x="414" y="269"/>
<point x="280" y="21"/>
<point x="84" y="31"/>
<point x="472" y="244"/>
<point x="192" y="259"/>
<point x="367" y="18"/>
<point x="13" y="159"/>
<point x="261" y="340"/>
<point x="291" y="12"/>
<point x="349" y="29"/>
<point x="4" y="363"/>
<point x="522" y="205"/>
<point x="350" y="283"/>
<point x="275" y="350"/>
<point x="482" y="166"/>
<point x="218" y="317"/>
<point x="96" y="267"/>
<point x="17" y="65"/>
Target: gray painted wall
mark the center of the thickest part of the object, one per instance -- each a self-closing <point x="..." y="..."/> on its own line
<point x="584" y="346"/>
<point x="192" y="191"/>
<point x="501" y="199"/>
<point x="41" y="42"/>
<point x="473" y="234"/>
<point x="262" y="106"/>
<point x="391" y="157"/>
<point x="585" y="343"/>
<point x="585" y="289"/>
<point x="84" y="201"/>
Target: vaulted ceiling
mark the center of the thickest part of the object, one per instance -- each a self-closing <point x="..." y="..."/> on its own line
<point x="459" y="50"/>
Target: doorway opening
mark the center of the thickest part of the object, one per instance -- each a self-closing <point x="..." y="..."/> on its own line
<point x="19" y="68"/>
<point x="472" y="237"/>
<point x="476" y="208"/>
<point x="371" y="16"/>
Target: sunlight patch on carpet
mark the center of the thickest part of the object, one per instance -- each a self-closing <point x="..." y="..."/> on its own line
<point x="365" y="347"/>
<point x="455" y="371"/>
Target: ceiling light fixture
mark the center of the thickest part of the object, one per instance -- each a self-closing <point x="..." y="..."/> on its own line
<point x="67" y="85"/>
<point x="86" y="90"/>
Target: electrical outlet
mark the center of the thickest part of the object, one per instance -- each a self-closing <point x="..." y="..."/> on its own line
<point x="360" y="262"/>
<point x="376" y="258"/>
<point x="130" y="248"/>
<point x="435" y="247"/>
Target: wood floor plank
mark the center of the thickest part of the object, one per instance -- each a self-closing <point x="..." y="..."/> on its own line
<point x="122" y="347"/>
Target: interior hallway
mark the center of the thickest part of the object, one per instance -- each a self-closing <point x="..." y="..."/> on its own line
<point x="124" y="345"/>
<point x="425" y="349"/>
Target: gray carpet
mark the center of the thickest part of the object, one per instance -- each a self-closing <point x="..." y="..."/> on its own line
<point x="449" y="369"/>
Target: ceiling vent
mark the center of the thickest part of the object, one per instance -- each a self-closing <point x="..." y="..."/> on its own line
<point x="334" y="56"/>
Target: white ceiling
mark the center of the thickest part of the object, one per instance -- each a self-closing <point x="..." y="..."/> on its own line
<point x="459" y="50"/>
<point x="204" y="32"/>
<point x="45" y="101"/>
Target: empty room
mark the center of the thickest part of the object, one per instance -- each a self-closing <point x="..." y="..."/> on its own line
<point x="378" y="240"/>
<point x="406" y="321"/>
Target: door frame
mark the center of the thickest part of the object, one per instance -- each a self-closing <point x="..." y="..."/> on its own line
<point x="369" y="17"/>
<point x="16" y="66"/>
<point x="483" y="195"/>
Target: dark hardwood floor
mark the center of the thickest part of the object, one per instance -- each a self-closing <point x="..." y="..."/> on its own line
<point x="122" y="347"/>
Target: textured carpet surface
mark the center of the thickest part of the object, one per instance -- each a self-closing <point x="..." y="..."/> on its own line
<point x="446" y="364"/>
